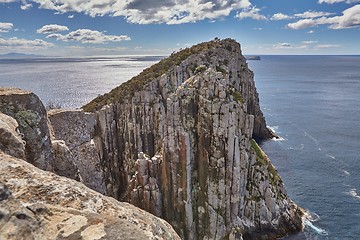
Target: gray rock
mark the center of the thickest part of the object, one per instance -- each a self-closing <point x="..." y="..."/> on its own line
<point x="45" y="206"/>
<point x="31" y="116"/>
<point x="10" y="139"/>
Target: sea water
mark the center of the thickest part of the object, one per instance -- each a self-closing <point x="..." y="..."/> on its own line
<point x="312" y="102"/>
<point x="71" y="82"/>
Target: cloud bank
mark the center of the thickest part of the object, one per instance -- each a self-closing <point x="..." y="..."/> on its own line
<point x="350" y="18"/>
<point x="5" y="27"/>
<point x="20" y="43"/>
<point x="88" y="36"/>
<point x="146" y="12"/>
<point x="52" y="28"/>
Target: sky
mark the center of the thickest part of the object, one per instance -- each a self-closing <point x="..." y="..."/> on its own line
<point x="160" y="27"/>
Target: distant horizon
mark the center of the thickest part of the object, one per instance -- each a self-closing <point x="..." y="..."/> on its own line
<point x="29" y="56"/>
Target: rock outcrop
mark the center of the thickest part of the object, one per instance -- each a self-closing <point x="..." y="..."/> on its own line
<point x="36" y="204"/>
<point x="177" y="141"/>
<point x="76" y="129"/>
<point x="29" y="112"/>
<point x="25" y="133"/>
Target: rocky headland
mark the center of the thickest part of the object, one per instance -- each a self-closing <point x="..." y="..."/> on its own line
<point x="177" y="141"/>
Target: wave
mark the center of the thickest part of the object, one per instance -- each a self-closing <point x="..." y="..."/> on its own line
<point x="299" y="148"/>
<point x="330" y="156"/>
<point x="309" y="219"/>
<point x="318" y="230"/>
<point x="275" y="129"/>
<point x="353" y="193"/>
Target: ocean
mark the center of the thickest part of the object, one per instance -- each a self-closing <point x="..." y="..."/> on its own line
<point x="311" y="102"/>
<point x="71" y="82"/>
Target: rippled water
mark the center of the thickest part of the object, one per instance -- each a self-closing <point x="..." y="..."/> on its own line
<point x="312" y="102"/>
<point x="70" y="82"/>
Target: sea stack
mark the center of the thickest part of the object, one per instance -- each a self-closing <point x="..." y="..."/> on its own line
<point x="178" y="141"/>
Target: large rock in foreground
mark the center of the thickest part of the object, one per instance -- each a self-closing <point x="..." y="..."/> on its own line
<point x="29" y="112"/>
<point x="35" y="204"/>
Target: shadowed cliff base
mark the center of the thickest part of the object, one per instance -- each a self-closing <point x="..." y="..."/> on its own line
<point x="179" y="143"/>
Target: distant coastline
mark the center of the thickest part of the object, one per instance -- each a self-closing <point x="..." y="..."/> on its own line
<point x="252" y="57"/>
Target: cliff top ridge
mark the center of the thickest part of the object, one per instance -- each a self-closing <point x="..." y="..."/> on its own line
<point x="127" y="89"/>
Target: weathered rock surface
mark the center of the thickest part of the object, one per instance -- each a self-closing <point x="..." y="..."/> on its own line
<point x="10" y="139"/>
<point x="77" y="130"/>
<point x="35" y="204"/>
<point x="25" y="115"/>
<point x="30" y="114"/>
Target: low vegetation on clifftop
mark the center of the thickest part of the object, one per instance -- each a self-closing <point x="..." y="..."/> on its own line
<point x="127" y="89"/>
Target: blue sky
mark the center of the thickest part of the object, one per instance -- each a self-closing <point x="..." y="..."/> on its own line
<point x="143" y="27"/>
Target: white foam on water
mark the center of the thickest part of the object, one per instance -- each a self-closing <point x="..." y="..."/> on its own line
<point x="299" y="148"/>
<point x="353" y="193"/>
<point x="309" y="219"/>
<point x="318" y="230"/>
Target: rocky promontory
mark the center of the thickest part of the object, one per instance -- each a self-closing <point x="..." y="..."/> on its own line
<point x="178" y="141"/>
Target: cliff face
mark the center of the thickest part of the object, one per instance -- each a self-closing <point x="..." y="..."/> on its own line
<point x="180" y="146"/>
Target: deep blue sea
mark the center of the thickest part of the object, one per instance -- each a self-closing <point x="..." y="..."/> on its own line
<point x="312" y="102"/>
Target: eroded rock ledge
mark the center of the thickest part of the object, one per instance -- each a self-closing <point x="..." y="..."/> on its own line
<point x="178" y="141"/>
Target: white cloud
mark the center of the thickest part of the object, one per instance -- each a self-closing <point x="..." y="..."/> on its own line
<point x="280" y="16"/>
<point x="282" y="45"/>
<point x="310" y="32"/>
<point x="328" y="46"/>
<point x="7" y="1"/>
<point x="23" y="44"/>
<point x="145" y="12"/>
<point x="5" y="27"/>
<point x="303" y="23"/>
<point x="88" y="36"/>
<point x="25" y="5"/>
<point x="52" y="28"/>
<point x="71" y="16"/>
<point x="337" y="1"/>
<point x="309" y="42"/>
<point x="251" y="12"/>
<point x="312" y="14"/>
<point x="350" y="18"/>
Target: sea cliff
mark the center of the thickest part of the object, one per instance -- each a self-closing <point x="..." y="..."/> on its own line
<point x="177" y="141"/>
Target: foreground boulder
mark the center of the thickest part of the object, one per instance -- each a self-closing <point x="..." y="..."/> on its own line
<point x="29" y="112"/>
<point x="36" y="204"/>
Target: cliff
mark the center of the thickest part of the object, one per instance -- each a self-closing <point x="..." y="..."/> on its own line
<point x="177" y="141"/>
